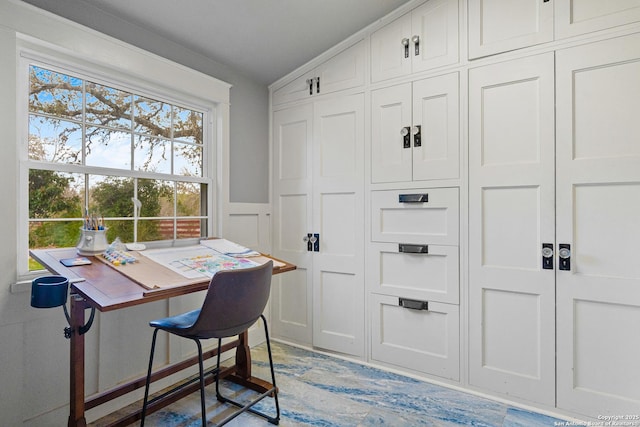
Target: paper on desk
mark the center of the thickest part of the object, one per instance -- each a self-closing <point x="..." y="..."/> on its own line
<point x="229" y="248"/>
<point x="195" y="262"/>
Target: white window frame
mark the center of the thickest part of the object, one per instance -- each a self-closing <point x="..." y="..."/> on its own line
<point x="128" y="77"/>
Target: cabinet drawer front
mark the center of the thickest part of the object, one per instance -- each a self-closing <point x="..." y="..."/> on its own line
<point x="421" y="340"/>
<point x="414" y="221"/>
<point x="432" y="276"/>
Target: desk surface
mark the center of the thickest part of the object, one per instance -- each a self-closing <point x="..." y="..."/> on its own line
<point x="106" y="289"/>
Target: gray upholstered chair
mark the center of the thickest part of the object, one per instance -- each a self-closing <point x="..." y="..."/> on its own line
<point x="234" y="301"/>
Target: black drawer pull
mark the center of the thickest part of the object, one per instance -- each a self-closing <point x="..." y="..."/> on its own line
<point x="413" y="198"/>
<point x="413" y="304"/>
<point x="413" y="249"/>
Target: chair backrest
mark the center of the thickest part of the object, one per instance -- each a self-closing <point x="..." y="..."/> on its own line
<point x="235" y="300"/>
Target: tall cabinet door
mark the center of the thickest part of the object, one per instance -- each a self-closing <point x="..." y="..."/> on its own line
<point x="511" y="205"/>
<point x="598" y="214"/>
<point x="292" y="208"/>
<point x="338" y="197"/>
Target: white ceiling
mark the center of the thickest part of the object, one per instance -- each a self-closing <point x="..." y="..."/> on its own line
<point x="264" y="39"/>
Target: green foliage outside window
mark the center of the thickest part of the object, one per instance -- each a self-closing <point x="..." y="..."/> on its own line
<point x="93" y="148"/>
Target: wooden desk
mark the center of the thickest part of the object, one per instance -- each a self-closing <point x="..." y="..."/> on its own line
<point x="105" y="289"/>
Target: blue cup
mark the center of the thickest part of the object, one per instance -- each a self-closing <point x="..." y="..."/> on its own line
<point x="49" y="291"/>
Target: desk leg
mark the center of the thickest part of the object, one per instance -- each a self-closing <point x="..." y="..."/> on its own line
<point x="242" y="367"/>
<point x="243" y="356"/>
<point x="76" y="365"/>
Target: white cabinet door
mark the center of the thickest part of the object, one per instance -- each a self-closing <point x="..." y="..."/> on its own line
<point x="501" y="25"/>
<point x="598" y="212"/>
<point x="391" y="155"/>
<point x="424" y="39"/>
<point x="389" y="57"/>
<point x="436" y="25"/>
<point x="511" y="205"/>
<point x="430" y="106"/>
<point x="318" y="179"/>
<point x="343" y="71"/>
<point x="291" y="299"/>
<point x="574" y="17"/>
<point x="436" y="111"/>
<point x="294" y="90"/>
<point x="338" y="199"/>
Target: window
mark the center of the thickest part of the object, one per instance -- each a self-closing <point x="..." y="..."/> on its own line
<point x="134" y="161"/>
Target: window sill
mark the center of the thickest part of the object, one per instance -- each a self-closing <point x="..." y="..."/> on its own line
<point x="23" y="284"/>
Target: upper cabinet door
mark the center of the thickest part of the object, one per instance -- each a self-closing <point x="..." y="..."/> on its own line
<point x="573" y="17"/>
<point x="421" y="40"/>
<point x="391" y="50"/>
<point x="293" y="91"/>
<point x="414" y="131"/>
<point x="501" y="25"/>
<point x="436" y="26"/>
<point x="343" y="71"/>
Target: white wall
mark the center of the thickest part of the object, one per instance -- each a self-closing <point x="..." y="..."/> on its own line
<point x="14" y="316"/>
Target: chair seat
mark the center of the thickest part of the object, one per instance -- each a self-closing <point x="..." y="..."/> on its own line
<point x="179" y="324"/>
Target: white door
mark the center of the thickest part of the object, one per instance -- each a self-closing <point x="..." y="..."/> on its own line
<point x="389" y="57"/>
<point x="291" y="306"/>
<point x="435" y="24"/>
<point x="390" y="149"/>
<point x="428" y="107"/>
<point x="338" y="200"/>
<point x="436" y="112"/>
<point x="511" y="206"/>
<point x="501" y="25"/>
<point x="574" y="17"/>
<point x="424" y="39"/>
<point x="295" y="90"/>
<point x="598" y="214"/>
<point x="343" y="71"/>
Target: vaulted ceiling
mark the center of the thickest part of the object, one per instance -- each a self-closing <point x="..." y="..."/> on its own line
<point x="264" y="39"/>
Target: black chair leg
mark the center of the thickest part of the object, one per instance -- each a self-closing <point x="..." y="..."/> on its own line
<point x="273" y="374"/>
<point x="249" y="406"/>
<point x="146" y="390"/>
<point x="218" y="395"/>
<point x="201" y="366"/>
